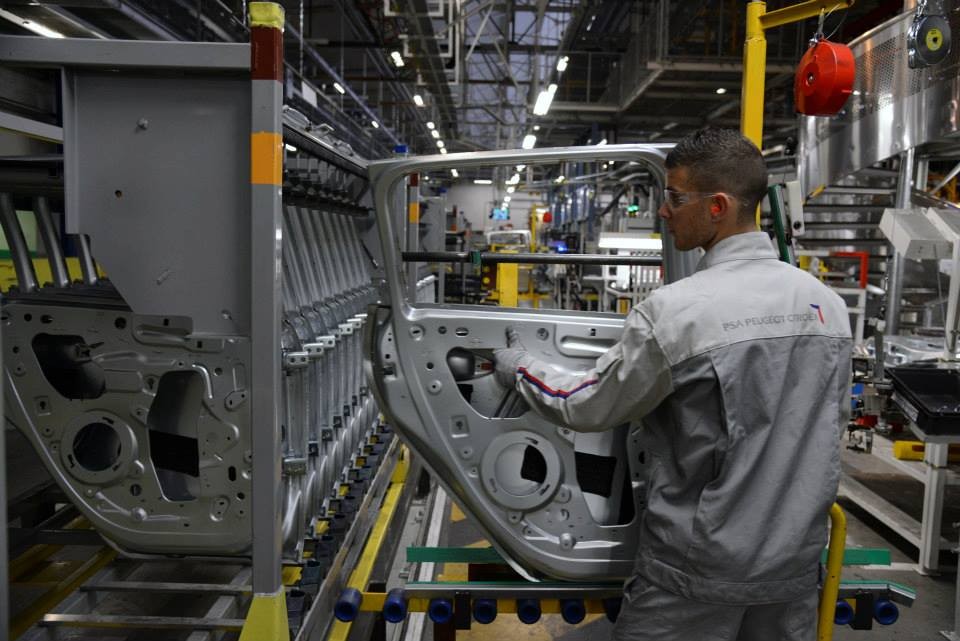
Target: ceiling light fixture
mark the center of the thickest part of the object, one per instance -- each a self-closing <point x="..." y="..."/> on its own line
<point x="440" y="144"/>
<point x="289" y="147"/>
<point x="454" y="173"/>
<point x="418" y="100"/>
<point x="30" y="25"/>
<point x="376" y="125"/>
<point x="721" y="90"/>
<point x="506" y="199"/>
<point x="560" y="179"/>
<point x="514" y="180"/>
<point x="435" y="133"/>
<point x="430" y="125"/>
<point x="544" y="100"/>
<point x="669" y="126"/>
<point x="339" y="88"/>
<point x="443" y="151"/>
<point x="397" y="58"/>
<point x="482" y="181"/>
<point x="562" y="63"/>
<point x="529" y="141"/>
<point x="521" y="167"/>
<point x="511" y="189"/>
<point x="536" y="127"/>
<point x="602" y="142"/>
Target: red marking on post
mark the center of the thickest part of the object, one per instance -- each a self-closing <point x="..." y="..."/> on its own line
<point x="266" y="53"/>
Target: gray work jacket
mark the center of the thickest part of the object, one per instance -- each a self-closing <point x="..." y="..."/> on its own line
<point x="739" y="375"/>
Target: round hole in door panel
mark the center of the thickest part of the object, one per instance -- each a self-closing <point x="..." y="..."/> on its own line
<point x="98" y="447"/>
<point x="521" y="470"/>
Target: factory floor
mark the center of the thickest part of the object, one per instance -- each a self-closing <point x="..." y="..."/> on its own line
<point x="932" y="612"/>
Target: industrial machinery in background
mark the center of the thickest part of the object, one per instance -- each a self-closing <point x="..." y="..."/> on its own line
<point x="146" y="392"/>
<point x="874" y="222"/>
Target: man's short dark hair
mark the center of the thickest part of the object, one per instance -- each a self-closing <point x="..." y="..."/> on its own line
<point x="723" y="160"/>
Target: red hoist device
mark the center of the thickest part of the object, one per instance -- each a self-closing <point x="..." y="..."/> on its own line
<point x="824" y="78"/>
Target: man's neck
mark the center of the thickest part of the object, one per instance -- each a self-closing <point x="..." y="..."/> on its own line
<point x="724" y="234"/>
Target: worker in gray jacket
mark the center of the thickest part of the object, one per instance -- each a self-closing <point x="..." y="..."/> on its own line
<point x="739" y="375"/>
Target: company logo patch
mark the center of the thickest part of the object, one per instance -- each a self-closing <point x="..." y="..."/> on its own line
<point x="819" y="313"/>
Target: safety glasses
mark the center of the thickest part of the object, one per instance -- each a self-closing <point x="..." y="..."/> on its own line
<point x="674" y="199"/>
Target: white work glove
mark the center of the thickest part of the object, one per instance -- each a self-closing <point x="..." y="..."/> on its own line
<point x="508" y="360"/>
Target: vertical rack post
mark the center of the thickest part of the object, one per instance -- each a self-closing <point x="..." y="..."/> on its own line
<point x="267" y="618"/>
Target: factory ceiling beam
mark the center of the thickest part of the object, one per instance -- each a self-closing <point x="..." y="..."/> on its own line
<point x="378" y="57"/>
<point x="335" y="77"/>
<point x="422" y="27"/>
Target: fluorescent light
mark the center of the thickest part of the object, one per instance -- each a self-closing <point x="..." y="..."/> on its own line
<point x="628" y="241"/>
<point x="511" y="189"/>
<point x="529" y="141"/>
<point x="435" y="133"/>
<point x="418" y="100"/>
<point x="544" y="100"/>
<point x="289" y="147"/>
<point x="521" y="167"/>
<point x="440" y="144"/>
<point x="560" y="178"/>
<point x="536" y="127"/>
<point x="669" y="126"/>
<point x="602" y="142"/>
<point x="430" y="125"/>
<point x="376" y="125"/>
<point x="339" y="88"/>
<point x="454" y="173"/>
<point x="562" y="63"/>
<point x="443" y="151"/>
<point x="30" y="25"/>
<point x="482" y="181"/>
<point x="721" y="90"/>
<point x="397" y="58"/>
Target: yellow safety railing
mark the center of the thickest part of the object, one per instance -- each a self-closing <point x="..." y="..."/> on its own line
<point x="831" y="583"/>
<point x="755" y="57"/>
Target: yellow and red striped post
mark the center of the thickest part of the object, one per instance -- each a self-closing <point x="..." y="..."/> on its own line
<point x="267" y="617"/>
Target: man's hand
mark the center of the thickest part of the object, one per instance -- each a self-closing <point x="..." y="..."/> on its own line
<point x="507" y="360"/>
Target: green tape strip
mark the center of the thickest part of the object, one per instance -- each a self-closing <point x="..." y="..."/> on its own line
<point x="862" y="556"/>
<point x="453" y="555"/>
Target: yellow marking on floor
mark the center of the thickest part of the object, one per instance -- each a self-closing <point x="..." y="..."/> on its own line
<point x="291" y="574"/>
<point x="507" y="626"/>
<point x="456" y="514"/>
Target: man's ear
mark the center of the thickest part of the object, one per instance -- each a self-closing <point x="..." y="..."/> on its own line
<point x="721" y="205"/>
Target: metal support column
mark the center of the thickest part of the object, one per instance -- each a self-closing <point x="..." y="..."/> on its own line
<point x="413" y="231"/>
<point x="935" y="458"/>
<point x="267" y="618"/>
<point x="895" y="266"/>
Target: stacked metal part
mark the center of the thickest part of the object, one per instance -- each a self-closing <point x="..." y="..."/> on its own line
<point x="146" y="426"/>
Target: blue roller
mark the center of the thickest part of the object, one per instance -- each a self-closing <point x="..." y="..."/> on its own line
<point x="886" y="612"/>
<point x="347" y="606"/>
<point x="612" y="607"/>
<point x="843" y="614"/>
<point x="573" y="611"/>
<point x="528" y="610"/>
<point x="440" y="610"/>
<point x="485" y="610"/>
<point x="395" y="606"/>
